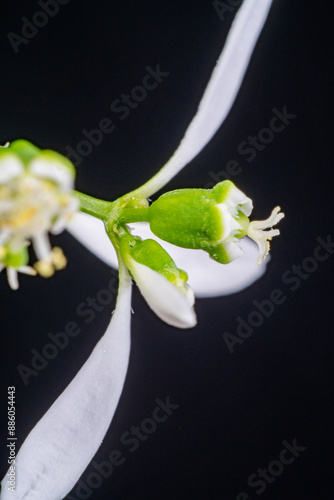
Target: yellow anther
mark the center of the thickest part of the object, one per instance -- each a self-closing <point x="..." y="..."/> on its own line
<point x="58" y="258"/>
<point x="44" y="269"/>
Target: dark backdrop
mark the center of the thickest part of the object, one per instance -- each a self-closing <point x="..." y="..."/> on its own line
<point x="237" y="411"/>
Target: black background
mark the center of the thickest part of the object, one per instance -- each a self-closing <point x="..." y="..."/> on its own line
<point x="235" y="410"/>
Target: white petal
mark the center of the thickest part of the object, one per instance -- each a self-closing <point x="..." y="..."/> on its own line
<point x="10" y="167"/>
<point x="230" y="224"/>
<point x="4" y="236"/>
<point x="235" y="197"/>
<point x="66" y="215"/>
<point x="220" y="93"/>
<point x="63" y="442"/>
<point x="52" y="170"/>
<point x="164" y="298"/>
<point x="91" y="233"/>
<point x="232" y="249"/>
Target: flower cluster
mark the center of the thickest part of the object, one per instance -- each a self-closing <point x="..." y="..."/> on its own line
<point x="213" y="220"/>
<point x="35" y="198"/>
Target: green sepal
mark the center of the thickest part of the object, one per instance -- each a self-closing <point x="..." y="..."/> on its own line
<point x="180" y="217"/>
<point x="200" y="218"/>
<point x="25" y="150"/>
<point x="219" y="253"/>
<point x="221" y="191"/>
<point x="16" y="259"/>
<point x="53" y="156"/>
<point x="149" y="253"/>
<point x="244" y="223"/>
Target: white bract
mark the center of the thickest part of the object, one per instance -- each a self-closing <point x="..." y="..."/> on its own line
<point x="62" y="443"/>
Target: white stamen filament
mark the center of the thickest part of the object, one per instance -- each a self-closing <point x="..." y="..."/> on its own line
<point x="256" y="232"/>
<point x="12" y="278"/>
<point x="42" y="247"/>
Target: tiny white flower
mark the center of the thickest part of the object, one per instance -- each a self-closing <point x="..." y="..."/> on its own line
<point x="35" y="199"/>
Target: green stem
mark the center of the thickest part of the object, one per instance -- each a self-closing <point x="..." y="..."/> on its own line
<point x="130" y="214"/>
<point x="93" y="206"/>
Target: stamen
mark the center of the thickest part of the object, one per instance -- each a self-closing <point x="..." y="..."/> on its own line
<point x="44" y="268"/>
<point x="58" y="258"/>
<point x="12" y="278"/>
<point x="27" y="270"/>
<point x="256" y="232"/>
<point x="42" y="246"/>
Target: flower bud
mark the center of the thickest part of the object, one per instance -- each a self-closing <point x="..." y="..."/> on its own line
<point x="159" y="280"/>
<point x="209" y="219"/>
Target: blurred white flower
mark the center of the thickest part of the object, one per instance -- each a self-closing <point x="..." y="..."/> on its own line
<point x="35" y="199"/>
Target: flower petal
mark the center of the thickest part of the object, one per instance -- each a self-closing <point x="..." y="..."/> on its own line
<point x="10" y="167"/>
<point x="63" y="442"/>
<point x="91" y="233"/>
<point x="52" y="170"/>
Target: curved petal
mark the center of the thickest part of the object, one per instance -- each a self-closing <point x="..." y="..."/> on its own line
<point x="91" y="233"/>
<point x="63" y="442"/>
<point x="219" y="94"/>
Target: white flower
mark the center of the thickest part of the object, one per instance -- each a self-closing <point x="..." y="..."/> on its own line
<point x="35" y="199"/>
<point x="62" y="443"/>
